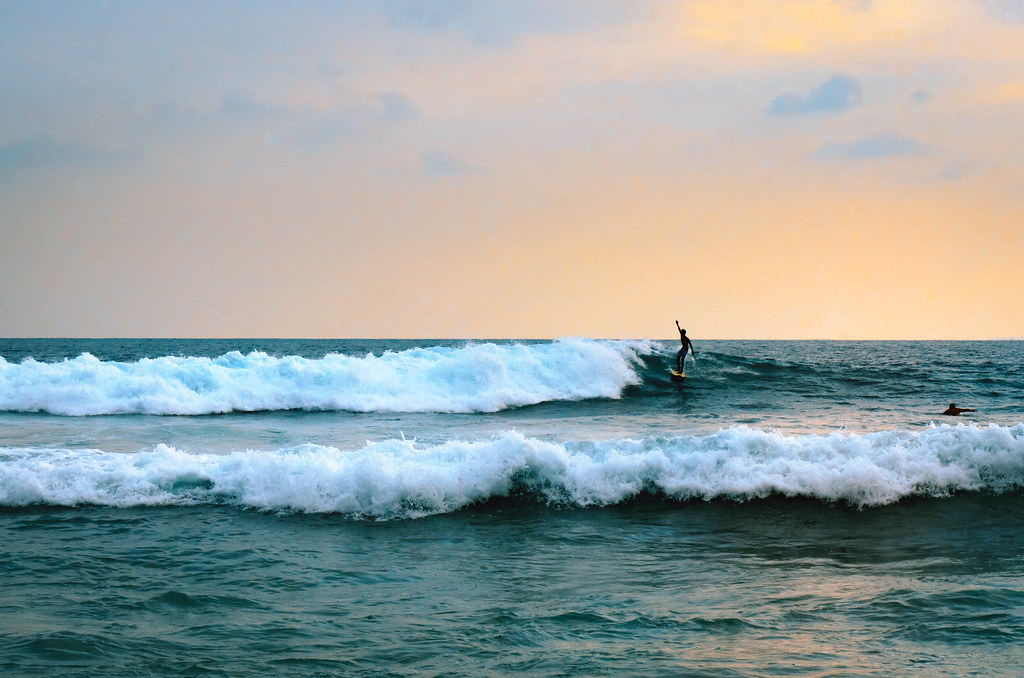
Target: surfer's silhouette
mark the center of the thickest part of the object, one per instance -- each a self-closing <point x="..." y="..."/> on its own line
<point x="687" y="344"/>
<point x="954" y="411"/>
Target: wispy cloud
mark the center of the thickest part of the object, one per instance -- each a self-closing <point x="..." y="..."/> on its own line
<point x="1011" y="10"/>
<point x="44" y="152"/>
<point x="300" y="125"/>
<point x="429" y="16"/>
<point x="396" y="107"/>
<point x="871" y="148"/>
<point x="837" y="94"/>
<point x="241" y="106"/>
<point x="956" y="170"/>
<point x="499" y="23"/>
<point x="437" y="164"/>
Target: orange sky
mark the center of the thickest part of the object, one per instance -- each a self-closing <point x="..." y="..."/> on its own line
<point x="783" y="169"/>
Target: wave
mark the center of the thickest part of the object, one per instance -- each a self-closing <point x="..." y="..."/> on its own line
<point x="474" y="378"/>
<point x="402" y="479"/>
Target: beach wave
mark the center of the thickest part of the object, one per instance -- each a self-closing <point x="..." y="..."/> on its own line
<point x="403" y="479"/>
<point x="484" y="377"/>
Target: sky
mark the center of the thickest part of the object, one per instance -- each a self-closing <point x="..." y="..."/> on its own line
<point x="779" y="169"/>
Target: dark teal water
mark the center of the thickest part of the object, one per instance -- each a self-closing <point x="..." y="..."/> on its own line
<point x="930" y="587"/>
<point x="793" y="509"/>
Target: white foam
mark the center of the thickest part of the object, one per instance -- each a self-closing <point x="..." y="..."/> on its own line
<point x="398" y="478"/>
<point x="475" y="378"/>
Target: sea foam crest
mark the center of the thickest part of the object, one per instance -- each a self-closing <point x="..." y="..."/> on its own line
<point x="474" y="378"/>
<point x="401" y="479"/>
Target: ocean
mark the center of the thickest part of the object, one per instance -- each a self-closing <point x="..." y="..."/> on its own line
<point x="488" y="508"/>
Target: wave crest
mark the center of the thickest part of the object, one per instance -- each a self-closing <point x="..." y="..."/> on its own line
<point x="475" y="378"/>
<point x="401" y="479"/>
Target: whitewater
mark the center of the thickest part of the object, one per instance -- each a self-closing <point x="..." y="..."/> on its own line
<point x="474" y="378"/>
<point x="400" y="479"/>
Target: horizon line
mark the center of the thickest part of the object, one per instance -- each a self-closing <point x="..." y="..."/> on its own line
<point x="465" y="338"/>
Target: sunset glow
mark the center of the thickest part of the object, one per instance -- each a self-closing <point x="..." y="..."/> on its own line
<point x="848" y="169"/>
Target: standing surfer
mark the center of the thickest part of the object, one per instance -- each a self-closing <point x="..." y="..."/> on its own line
<point x="687" y="345"/>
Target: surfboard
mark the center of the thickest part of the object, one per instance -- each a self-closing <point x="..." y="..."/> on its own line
<point x="677" y="375"/>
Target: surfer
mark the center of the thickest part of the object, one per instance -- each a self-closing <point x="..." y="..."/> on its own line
<point x="955" y="411"/>
<point x="687" y="344"/>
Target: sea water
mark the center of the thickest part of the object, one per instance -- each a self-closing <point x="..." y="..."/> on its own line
<point x="549" y="508"/>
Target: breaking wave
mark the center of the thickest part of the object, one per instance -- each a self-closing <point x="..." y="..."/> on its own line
<point x="474" y="378"/>
<point x="402" y="479"/>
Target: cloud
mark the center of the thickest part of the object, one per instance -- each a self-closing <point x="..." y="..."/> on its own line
<point x="43" y="152"/>
<point x="871" y="148"/>
<point x="397" y="107"/>
<point x="241" y="106"/>
<point x="437" y="164"/>
<point x="1005" y="10"/>
<point x="428" y="16"/>
<point x="351" y="118"/>
<point x="956" y="170"/>
<point x="838" y="94"/>
<point x="499" y="23"/>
